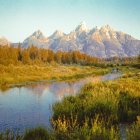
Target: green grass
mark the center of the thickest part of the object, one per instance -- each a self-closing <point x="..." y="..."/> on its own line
<point x="10" y="135"/>
<point x="37" y="134"/>
<point x="64" y="131"/>
<point x="133" y="132"/>
<point x="114" y="102"/>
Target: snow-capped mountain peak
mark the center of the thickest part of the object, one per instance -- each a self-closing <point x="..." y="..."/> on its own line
<point x="106" y="28"/>
<point x="82" y="27"/>
<point x="36" y="39"/>
<point x="38" y="35"/>
<point x="57" y="34"/>
<point x="93" y="30"/>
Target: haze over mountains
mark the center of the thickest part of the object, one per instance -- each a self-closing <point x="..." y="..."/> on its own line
<point x="101" y="42"/>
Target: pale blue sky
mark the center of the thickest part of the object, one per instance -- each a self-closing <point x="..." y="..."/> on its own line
<point x="20" y="18"/>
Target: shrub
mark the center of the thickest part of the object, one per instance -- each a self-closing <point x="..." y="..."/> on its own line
<point x="36" y="134"/>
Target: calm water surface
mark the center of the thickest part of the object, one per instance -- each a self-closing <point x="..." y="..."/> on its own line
<point x="30" y="106"/>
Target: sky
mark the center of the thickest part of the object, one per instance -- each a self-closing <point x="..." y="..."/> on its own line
<point x="20" y="18"/>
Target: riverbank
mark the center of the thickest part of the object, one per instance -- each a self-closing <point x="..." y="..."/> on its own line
<point x="25" y="74"/>
<point x="96" y="112"/>
<point x="100" y="108"/>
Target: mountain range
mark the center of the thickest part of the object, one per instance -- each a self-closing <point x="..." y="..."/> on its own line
<point x="103" y="42"/>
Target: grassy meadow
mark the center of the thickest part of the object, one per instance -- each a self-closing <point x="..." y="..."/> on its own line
<point x="23" y="74"/>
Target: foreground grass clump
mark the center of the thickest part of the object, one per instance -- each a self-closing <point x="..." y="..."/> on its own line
<point x="69" y="129"/>
<point x="66" y="130"/>
<point x="10" y="135"/>
<point x="115" y="101"/>
<point x="23" y="74"/>
<point x="133" y="133"/>
<point x="37" y="134"/>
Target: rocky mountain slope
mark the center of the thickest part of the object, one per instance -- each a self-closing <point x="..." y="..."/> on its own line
<point x="101" y="42"/>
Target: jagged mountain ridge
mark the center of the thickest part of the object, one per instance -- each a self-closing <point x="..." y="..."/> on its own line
<point x="101" y="42"/>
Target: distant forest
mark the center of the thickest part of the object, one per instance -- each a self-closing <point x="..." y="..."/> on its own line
<point x="34" y="55"/>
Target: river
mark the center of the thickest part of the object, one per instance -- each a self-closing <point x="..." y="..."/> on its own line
<point x="30" y="106"/>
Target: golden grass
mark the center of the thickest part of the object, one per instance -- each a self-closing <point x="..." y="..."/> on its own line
<point x="28" y="73"/>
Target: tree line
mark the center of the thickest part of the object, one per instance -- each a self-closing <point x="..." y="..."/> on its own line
<point x="34" y="55"/>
